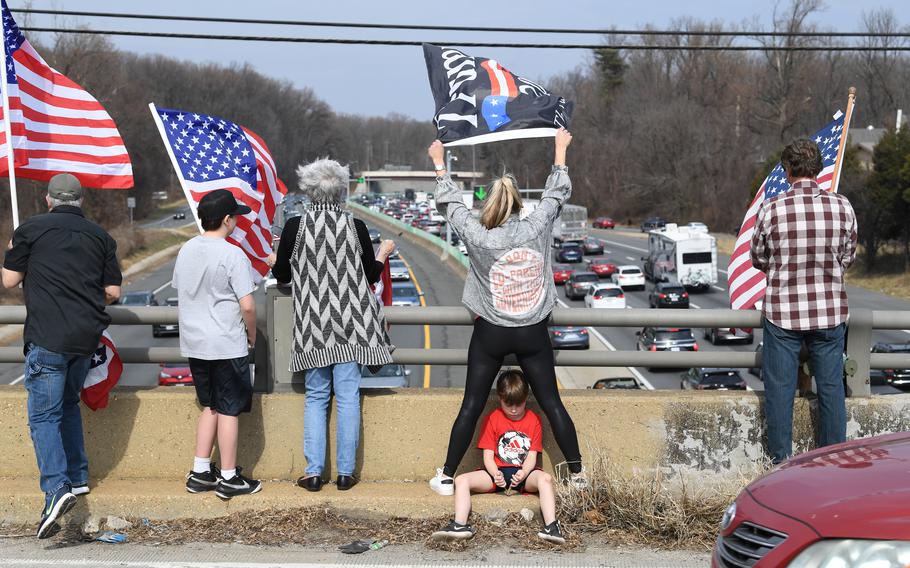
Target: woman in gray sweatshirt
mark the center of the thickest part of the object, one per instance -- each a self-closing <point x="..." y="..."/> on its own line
<point x="510" y="290"/>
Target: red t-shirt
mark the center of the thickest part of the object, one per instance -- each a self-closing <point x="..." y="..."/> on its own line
<point x="511" y="440"/>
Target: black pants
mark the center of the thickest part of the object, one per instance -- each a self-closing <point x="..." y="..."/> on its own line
<point x="531" y="345"/>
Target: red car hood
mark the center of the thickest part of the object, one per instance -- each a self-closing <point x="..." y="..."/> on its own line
<point x="858" y="489"/>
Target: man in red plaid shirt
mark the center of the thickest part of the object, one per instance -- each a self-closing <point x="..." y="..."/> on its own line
<point x="804" y="241"/>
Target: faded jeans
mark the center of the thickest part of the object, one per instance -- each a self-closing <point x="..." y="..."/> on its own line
<point x="53" y="382"/>
<point x="345" y="378"/>
<point x="780" y="363"/>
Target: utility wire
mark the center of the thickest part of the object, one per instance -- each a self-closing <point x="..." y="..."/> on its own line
<point x="645" y="32"/>
<point x="628" y="47"/>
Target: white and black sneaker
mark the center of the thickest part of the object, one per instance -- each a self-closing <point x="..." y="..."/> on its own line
<point x="55" y="506"/>
<point x="237" y="485"/>
<point x="80" y="489"/>
<point x="579" y="480"/>
<point x="454" y="531"/>
<point x="442" y="483"/>
<point x="201" y="482"/>
<point x="552" y="533"/>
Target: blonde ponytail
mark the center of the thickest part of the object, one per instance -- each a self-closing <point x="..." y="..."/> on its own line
<point x="504" y="200"/>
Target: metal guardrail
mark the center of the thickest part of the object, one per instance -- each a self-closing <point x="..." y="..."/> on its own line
<point x="861" y="324"/>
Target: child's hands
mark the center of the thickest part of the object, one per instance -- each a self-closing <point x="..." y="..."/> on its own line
<point x="518" y="477"/>
<point x="499" y="479"/>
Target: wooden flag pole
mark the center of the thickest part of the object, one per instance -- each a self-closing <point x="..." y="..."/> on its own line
<point x="851" y="98"/>
<point x="8" y="128"/>
<point x="170" y="152"/>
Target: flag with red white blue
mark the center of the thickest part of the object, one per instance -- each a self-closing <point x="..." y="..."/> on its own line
<point x="746" y="283"/>
<point x="209" y="153"/>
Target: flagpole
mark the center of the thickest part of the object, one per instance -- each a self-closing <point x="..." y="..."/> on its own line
<point x="170" y="152"/>
<point x="851" y="97"/>
<point x="7" y="126"/>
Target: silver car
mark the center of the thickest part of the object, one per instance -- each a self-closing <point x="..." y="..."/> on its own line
<point x="398" y="270"/>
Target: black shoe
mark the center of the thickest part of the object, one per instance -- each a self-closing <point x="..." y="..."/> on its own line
<point x="201" y="482"/>
<point x="454" y="531"/>
<point x="237" y="485"/>
<point x="55" y="506"/>
<point x="310" y="483"/>
<point x="552" y="533"/>
<point x="345" y="482"/>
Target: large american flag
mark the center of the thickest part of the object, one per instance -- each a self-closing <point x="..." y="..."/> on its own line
<point x="747" y="284"/>
<point x="56" y="125"/>
<point x="212" y="153"/>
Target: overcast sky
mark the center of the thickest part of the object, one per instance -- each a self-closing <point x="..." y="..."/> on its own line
<point x="377" y="80"/>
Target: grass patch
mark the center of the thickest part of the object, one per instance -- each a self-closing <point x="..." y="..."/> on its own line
<point x="151" y="241"/>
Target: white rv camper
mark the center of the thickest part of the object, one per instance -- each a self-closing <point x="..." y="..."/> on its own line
<point x="679" y="254"/>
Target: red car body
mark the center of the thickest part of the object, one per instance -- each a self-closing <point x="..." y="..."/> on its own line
<point x="561" y="273"/>
<point x="173" y="374"/>
<point x="854" y="490"/>
<point x="604" y="223"/>
<point x="603" y="269"/>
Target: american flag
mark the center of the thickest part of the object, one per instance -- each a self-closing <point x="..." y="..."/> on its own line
<point x="56" y="125"/>
<point x="212" y="153"/>
<point x="747" y="284"/>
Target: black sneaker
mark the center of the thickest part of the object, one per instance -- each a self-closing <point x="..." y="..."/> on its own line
<point x="454" y="531"/>
<point x="55" y="506"/>
<point x="237" y="485"/>
<point x="552" y="533"/>
<point x="201" y="482"/>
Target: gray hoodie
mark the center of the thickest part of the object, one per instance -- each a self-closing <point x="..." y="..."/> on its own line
<point x="510" y="280"/>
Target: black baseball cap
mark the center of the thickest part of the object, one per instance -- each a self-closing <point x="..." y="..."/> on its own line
<point x="215" y="205"/>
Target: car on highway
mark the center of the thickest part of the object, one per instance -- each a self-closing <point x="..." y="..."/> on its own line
<point x="601" y="267"/>
<point x="841" y="505"/>
<point x="174" y="374"/>
<point x="398" y="270"/>
<point x="608" y="296"/>
<point x="696" y="226"/>
<point x="665" y="339"/>
<point x="433" y="227"/>
<point x="160" y="329"/>
<point x="405" y="294"/>
<point x="139" y="298"/>
<point x="618" y="383"/>
<point x="592" y="246"/>
<point x="652" y="224"/>
<point x="668" y="295"/>
<point x="389" y="376"/>
<point x="577" y="285"/>
<point x="569" y="337"/>
<point x="180" y="215"/>
<point x="561" y="273"/>
<point x="569" y="252"/>
<point x="375" y="236"/>
<point x="718" y="335"/>
<point x="604" y="223"/>
<point x="897" y="378"/>
<point x="629" y="276"/>
<point x="711" y="378"/>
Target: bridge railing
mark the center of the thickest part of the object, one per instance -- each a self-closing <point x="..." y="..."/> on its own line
<point x="275" y="348"/>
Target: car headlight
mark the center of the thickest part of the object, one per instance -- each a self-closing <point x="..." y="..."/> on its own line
<point x="854" y="553"/>
<point x="728" y="517"/>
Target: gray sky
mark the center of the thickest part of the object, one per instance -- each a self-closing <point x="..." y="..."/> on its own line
<point x="377" y="80"/>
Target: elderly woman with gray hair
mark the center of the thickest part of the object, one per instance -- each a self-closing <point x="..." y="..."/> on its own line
<point x="328" y="258"/>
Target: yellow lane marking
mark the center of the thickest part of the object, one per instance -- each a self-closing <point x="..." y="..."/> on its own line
<point x="426" y="328"/>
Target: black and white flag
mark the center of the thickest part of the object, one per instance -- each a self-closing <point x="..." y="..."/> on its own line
<point x="478" y="100"/>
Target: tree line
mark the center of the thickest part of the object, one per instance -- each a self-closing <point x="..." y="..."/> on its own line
<point x="688" y="135"/>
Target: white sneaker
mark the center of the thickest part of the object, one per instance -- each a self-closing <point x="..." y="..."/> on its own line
<point x="579" y="480"/>
<point x="80" y="489"/>
<point x="442" y="483"/>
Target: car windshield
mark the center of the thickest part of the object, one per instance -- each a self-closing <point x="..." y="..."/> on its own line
<point x="724" y="379"/>
<point x="891" y="348"/>
<point x="134" y="299"/>
<point x="403" y="292"/>
<point x="631" y="271"/>
<point x="609" y="292"/>
<point x="677" y="335"/>
<point x="560" y="267"/>
<point x="619" y="384"/>
<point x="586" y="278"/>
<point x="396" y="264"/>
<point x="673" y="290"/>
<point x="385" y="371"/>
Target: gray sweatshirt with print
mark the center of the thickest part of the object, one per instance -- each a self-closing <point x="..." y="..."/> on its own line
<point x="510" y="280"/>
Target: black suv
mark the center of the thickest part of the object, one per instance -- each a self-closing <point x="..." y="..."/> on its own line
<point x="709" y="378"/>
<point x="578" y="284"/>
<point x="653" y="223"/>
<point x="897" y="378"/>
<point x="668" y="295"/>
<point x="665" y="339"/>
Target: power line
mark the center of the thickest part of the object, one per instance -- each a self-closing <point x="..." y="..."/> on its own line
<point x="583" y="31"/>
<point x="627" y="47"/>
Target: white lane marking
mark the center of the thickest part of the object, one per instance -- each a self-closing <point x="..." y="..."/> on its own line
<point x="721" y="271"/>
<point x="609" y="346"/>
<point x="614" y="243"/>
<point x="906" y="330"/>
<point x="630" y="258"/>
<point x="694" y="305"/>
<point x="19" y="380"/>
<point x="160" y="288"/>
<point x="719" y="289"/>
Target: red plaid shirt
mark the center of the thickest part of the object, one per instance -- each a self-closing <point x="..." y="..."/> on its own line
<point x="804" y="241"/>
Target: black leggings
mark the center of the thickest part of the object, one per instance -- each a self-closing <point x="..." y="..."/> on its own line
<point x="531" y="345"/>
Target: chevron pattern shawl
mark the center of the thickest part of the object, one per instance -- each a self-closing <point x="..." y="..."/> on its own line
<point x="336" y="317"/>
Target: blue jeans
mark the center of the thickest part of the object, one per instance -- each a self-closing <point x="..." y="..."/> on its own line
<point x="780" y="363"/>
<point x="54" y="381"/>
<point x="345" y="378"/>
